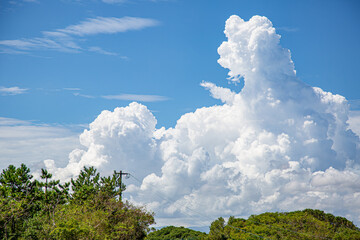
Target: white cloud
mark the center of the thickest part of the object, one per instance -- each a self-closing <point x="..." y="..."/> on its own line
<point x="223" y="94"/>
<point x="72" y="89"/>
<point x="277" y="145"/>
<point x="354" y="122"/>
<point x="136" y="97"/>
<point x="101" y="51"/>
<point x="288" y="29"/>
<point x="44" y="43"/>
<point x="127" y="132"/>
<point x="108" y="25"/>
<point x="114" y="1"/>
<point x="83" y="95"/>
<point x="12" y="90"/>
<point x="65" y="39"/>
<point x="27" y="142"/>
<point x="126" y="97"/>
<point x="20" y="2"/>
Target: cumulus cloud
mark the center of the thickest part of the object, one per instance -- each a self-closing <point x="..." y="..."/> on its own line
<point x="354" y="122"/>
<point x="276" y="145"/>
<point x="66" y="39"/>
<point x="115" y="140"/>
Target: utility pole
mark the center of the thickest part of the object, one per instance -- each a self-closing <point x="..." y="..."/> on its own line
<point x="121" y="173"/>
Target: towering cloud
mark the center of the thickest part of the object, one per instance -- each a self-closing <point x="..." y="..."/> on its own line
<point x="277" y="145"/>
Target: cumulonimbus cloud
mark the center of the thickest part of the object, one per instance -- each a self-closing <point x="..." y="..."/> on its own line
<point x="276" y="145"/>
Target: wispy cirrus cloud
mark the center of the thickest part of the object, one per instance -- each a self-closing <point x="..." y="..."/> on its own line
<point x="101" y="51"/>
<point x="19" y="2"/>
<point x="137" y="97"/>
<point x="109" y="25"/>
<point x="122" y="97"/>
<point x="72" y="89"/>
<point x="12" y="90"/>
<point x="83" y="95"/>
<point x="65" y="40"/>
<point x="114" y="1"/>
<point x="288" y="29"/>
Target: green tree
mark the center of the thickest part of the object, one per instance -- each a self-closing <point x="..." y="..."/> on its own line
<point x="306" y="224"/>
<point x="174" y="233"/>
<point x="217" y="230"/>
<point x="86" y="185"/>
<point x="95" y="211"/>
<point x="30" y="209"/>
<point x="18" y="195"/>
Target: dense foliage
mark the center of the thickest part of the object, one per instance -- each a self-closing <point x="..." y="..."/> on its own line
<point x="89" y="207"/>
<point x="306" y="224"/>
<point x="46" y="209"/>
<point x="172" y="232"/>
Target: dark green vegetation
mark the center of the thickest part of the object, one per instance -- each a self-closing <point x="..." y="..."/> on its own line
<point x="31" y="209"/>
<point x="88" y="207"/>
<point x="306" y="224"/>
<point x="172" y="232"/>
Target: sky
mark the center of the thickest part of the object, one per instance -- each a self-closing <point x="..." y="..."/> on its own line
<point x="157" y="89"/>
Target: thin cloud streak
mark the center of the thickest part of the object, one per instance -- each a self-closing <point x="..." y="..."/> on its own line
<point x="108" y="25"/>
<point x="114" y="1"/>
<point x="83" y="95"/>
<point x="136" y="97"/>
<point x="101" y="51"/>
<point x="288" y="29"/>
<point x="65" y="40"/>
<point x="12" y="91"/>
<point x="72" y="89"/>
<point x="31" y="142"/>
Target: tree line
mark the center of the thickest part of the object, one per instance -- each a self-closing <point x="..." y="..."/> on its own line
<point x="308" y="224"/>
<point x="90" y="207"/>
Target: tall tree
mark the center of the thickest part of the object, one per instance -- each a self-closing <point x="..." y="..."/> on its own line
<point x="18" y="195"/>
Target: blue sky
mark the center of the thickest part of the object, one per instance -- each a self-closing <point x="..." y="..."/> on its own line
<point x="270" y="144"/>
<point x="168" y="58"/>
